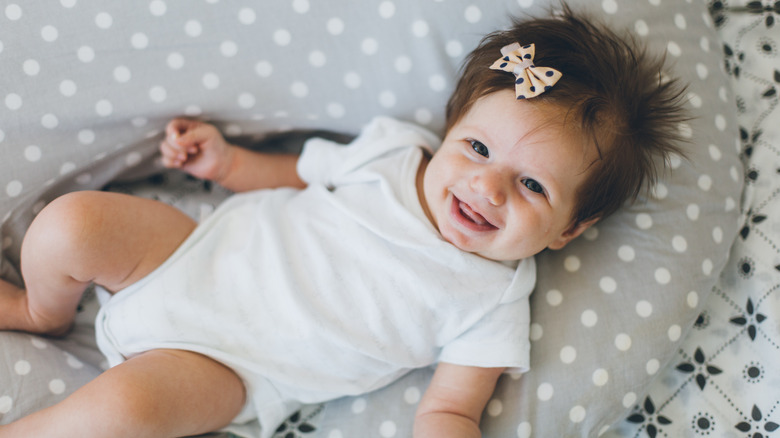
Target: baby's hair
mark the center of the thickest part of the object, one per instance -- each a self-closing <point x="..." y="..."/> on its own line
<point x="612" y="93"/>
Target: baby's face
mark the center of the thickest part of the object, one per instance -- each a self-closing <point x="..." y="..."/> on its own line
<point x="504" y="181"/>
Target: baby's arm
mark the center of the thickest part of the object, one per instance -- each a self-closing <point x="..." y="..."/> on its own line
<point x="453" y="403"/>
<point x="200" y="149"/>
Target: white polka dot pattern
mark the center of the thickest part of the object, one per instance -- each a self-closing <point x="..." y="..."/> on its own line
<point x="650" y="285"/>
<point x="727" y="360"/>
<point x="86" y="92"/>
<point x="115" y="87"/>
<point x="45" y="371"/>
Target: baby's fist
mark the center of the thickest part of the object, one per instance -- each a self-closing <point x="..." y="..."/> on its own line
<point x="196" y="147"/>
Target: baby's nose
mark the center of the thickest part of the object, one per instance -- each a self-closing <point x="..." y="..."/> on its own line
<point x="491" y="186"/>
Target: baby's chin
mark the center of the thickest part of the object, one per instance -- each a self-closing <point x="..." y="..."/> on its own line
<point x="503" y="255"/>
<point x="500" y="259"/>
<point x="495" y="256"/>
<point x="500" y="255"/>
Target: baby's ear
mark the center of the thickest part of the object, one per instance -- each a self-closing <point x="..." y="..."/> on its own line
<point x="571" y="233"/>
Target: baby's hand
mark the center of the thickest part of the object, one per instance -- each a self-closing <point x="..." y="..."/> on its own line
<point x="196" y="147"/>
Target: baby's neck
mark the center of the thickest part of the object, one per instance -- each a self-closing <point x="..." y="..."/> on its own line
<point x="420" y="183"/>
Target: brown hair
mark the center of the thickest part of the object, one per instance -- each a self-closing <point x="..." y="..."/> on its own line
<point x="612" y="92"/>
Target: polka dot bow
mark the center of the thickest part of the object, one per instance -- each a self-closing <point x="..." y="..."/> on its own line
<point x="531" y="80"/>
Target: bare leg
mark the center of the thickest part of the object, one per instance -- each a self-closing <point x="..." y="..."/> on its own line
<point x="160" y="393"/>
<point x="110" y="239"/>
<point x="113" y="240"/>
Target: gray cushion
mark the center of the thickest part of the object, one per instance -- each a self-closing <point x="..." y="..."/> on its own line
<point x="88" y="86"/>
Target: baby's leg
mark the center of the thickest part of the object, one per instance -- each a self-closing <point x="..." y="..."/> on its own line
<point x="110" y="239"/>
<point x="160" y="393"/>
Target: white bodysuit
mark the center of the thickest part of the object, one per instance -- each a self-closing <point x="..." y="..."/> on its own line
<point x="337" y="289"/>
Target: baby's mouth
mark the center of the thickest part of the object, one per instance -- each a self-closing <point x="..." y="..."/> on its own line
<point x="469" y="218"/>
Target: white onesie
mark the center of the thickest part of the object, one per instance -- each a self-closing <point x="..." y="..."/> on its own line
<point x="334" y="290"/>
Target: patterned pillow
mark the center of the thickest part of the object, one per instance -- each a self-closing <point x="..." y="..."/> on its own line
<point x="87" y="87"/>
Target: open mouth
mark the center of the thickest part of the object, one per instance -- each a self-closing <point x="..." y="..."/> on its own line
<point x="466" y="216"/>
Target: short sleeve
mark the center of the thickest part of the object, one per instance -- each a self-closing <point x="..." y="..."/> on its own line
<point x="500" y="338"/>
<point x="323" y="161"/>
<point x="320" y="159"/>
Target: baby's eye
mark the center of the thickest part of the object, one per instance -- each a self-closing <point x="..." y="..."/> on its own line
<point x="480" y="148"/>
<point x="533" y="186"/>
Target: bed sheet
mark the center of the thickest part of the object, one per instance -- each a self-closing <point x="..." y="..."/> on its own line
<point x="87" y="90"/>
<point x="724" y="379"/>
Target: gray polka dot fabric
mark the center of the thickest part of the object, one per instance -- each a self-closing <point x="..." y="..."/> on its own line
<point x="86" y="88"/>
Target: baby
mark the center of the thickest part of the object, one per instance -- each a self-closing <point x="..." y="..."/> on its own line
<point x="356" y="263"/>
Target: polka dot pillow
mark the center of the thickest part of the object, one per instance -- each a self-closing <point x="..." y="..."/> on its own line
<point x="86" y="88"/>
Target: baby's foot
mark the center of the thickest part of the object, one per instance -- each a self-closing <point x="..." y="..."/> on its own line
<point x="15" y="314"/>
<point x="11" y="298"/>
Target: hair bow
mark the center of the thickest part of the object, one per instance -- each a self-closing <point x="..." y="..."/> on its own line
<point x="531" y="80"/>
